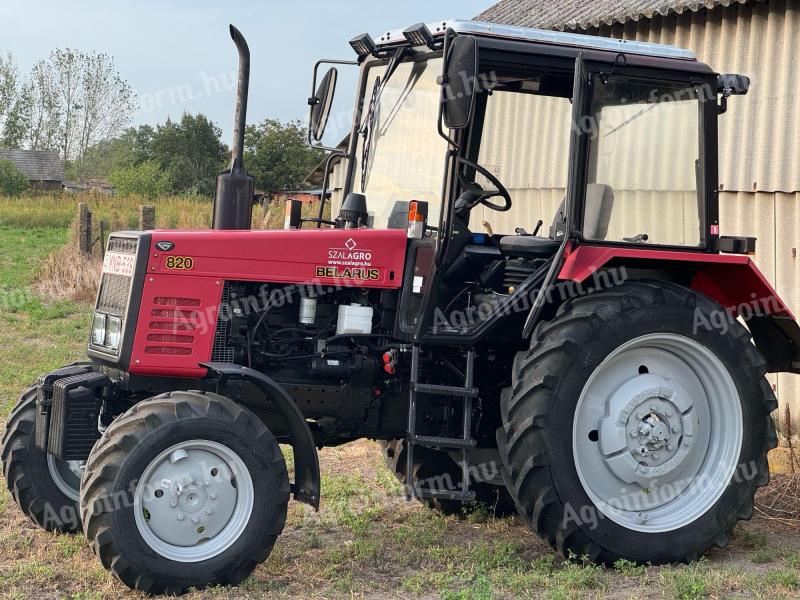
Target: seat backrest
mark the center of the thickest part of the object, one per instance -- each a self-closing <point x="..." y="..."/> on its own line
<point x="597" y="216"/>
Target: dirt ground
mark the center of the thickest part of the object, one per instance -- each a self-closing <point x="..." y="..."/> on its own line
<point x="368" y="541"/>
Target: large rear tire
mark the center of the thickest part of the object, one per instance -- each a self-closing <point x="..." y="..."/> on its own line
<point x="45" y="488"/>
<point x="633" y="430"/>
<point x="187" y="489"/>
<point x="436" y="466"/>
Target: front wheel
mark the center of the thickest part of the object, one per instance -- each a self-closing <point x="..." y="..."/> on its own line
<point x="187" y="489"/>
<point x="632" y="431"/>
<point x="45" y="487"/>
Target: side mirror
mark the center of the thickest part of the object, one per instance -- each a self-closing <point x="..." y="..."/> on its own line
<point x="321" y="104"/>
<point x="460" y="85"/>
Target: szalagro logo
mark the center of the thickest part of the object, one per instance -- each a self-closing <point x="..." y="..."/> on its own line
<point x="351" y="255"/>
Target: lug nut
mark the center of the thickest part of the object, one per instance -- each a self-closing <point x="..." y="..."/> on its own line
<point x="212" y="495"/>
<point x="633" y="434"/>
<point x="669" y="447"/>
<point x="209" y="511"/>
<point x="674" y="429"/>
<point x="195" y="520"/>
<point x="655" y="456"/>
<point x="180" y="517"/>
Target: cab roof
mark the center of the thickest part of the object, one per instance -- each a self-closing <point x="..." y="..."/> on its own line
<point x="541" y="36"/>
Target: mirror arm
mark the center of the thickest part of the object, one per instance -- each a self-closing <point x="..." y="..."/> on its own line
<point x="448" y="34"/>
<point x="325" y="179"/>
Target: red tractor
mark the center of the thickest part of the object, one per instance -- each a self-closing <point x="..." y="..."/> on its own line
<point x="595" y="376"/>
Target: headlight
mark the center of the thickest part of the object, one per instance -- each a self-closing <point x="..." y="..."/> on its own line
<point x="113" y="332"/>
<point x="98" y="329"/>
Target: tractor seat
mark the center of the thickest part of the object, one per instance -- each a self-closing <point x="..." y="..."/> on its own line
<point x="528" y="246"/>
<point x="599" y="203"/>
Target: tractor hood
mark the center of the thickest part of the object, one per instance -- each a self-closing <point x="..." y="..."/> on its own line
<point x="345" y="257"/>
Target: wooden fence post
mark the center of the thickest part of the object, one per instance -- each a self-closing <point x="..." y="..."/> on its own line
<point x="84" y="228"/>
<point x="147" y="217"/>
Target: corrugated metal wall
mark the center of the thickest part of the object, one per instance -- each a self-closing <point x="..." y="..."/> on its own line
<point x="759" y="136"/>
<point x="759" y="142"/>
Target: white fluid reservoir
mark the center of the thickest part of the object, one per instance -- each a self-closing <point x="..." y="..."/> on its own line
<point x="354" y="318"/>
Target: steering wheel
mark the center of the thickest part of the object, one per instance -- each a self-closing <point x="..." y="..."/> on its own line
<point x="482" y="194"/>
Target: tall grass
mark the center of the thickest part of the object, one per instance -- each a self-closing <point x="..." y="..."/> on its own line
<point x="120" y="212"/>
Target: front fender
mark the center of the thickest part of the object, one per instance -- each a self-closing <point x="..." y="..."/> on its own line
<point x="307" y="485"/>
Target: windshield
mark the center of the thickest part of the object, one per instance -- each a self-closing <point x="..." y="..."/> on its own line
<point x="405" y="154"/>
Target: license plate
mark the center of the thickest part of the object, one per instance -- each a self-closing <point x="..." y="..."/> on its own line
<point x="116" y="263"/>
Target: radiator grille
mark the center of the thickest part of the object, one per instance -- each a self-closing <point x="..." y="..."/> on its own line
<point x="172" y="326"/>
<point x="114" y="292"/>
<point x="123" y="245"/>
<point x="221" y="350"/>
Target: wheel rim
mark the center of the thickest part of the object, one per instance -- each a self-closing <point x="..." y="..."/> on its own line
<point x="66" y="474"/>
<point x="657" y="433"/>
<point x="193" y="501"/>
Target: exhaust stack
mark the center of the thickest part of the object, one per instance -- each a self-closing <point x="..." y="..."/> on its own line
<point x="233" y="199"/>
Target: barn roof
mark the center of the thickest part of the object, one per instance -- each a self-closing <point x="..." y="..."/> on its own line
<point x="583" y="14"/>
<point x="36" y="165"/>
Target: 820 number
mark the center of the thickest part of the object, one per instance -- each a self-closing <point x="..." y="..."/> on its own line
<point x="184" y="263"/>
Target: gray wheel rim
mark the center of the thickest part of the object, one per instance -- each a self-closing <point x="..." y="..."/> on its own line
<point x="193" y="501"/>
<point x="657" y="433"/>
<point x="66" y="474"/>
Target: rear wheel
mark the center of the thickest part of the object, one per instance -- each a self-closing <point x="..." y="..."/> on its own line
<point x="632" y="432"/>
<point x="45" y="487"/>
<point x="186" y="489"/>
<point x="438" y="467"/>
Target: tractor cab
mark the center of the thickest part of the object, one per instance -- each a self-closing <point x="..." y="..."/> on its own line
<point x="517" y="146"/>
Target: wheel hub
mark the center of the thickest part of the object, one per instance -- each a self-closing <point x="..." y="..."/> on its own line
<point x="191" y="504"/>
<point x="647" y="433"/>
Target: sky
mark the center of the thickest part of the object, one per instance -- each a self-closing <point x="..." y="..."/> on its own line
<point x="177" y="54"/>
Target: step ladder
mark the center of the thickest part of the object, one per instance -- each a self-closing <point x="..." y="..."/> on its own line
<point x="417" y="394"/>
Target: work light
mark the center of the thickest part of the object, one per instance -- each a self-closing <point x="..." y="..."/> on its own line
<point x="419" y="35"/>
<point x="363" y="45"/>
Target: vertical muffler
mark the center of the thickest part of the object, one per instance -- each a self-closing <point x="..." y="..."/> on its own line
<point x="233" y="198"/>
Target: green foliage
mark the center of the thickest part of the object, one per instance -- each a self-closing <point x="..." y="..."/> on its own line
<point x="12" y="181"/>
<point x="277" y="156"/>
<point x="190" y="151"/>
<point x="144" y="179"/>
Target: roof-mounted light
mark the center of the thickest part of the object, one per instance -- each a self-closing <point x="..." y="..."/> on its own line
<point x="419" y="35"/>
<point x="364" y="45"/>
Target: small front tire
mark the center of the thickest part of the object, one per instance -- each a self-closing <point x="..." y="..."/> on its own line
<point x="187" y="489"/>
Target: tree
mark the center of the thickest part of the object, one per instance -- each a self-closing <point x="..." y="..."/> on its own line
<point x="9" y="87"/>
<point x="145" y="179"/>
<point x="71" y="101"/>
<point x="12" y="181"/>
<point x="133" y="147"/>
<point x="277" y="156"/>
<point x="191" y="152"/>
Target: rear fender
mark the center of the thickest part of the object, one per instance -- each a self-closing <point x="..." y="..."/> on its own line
<point x="733" y="281"/>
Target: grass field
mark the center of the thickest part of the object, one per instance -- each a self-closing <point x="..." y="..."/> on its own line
<point x="366" y="540"/>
